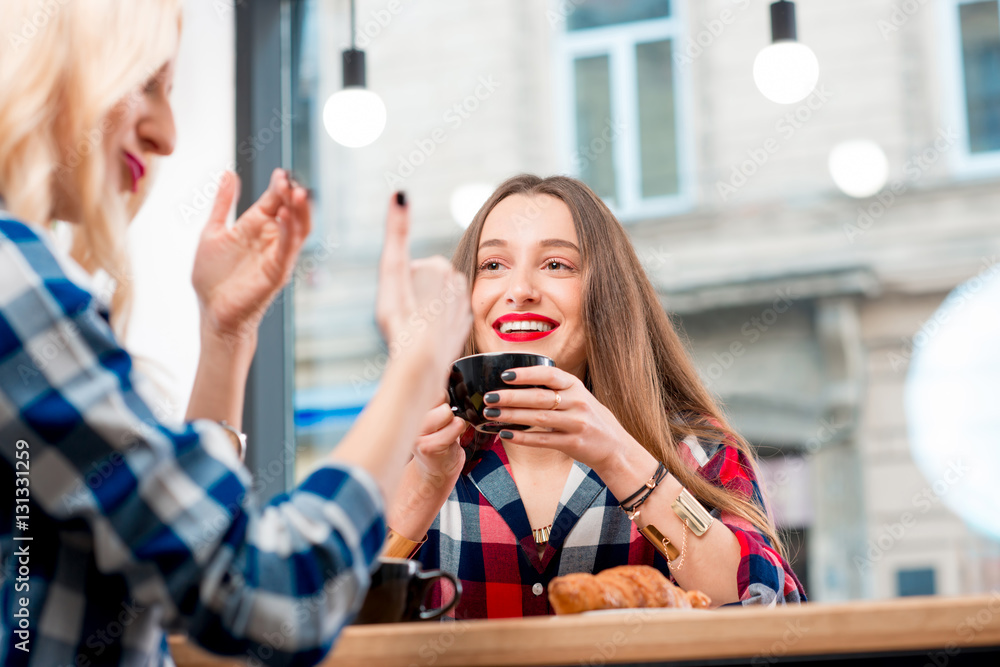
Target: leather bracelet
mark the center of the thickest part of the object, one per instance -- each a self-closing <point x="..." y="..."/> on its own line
<point x="397" y="546"/>
<point x="643" y="493"/>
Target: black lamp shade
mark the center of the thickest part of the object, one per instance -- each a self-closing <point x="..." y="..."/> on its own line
<point x="783" y="22"/>
<point x="354" y="69"/>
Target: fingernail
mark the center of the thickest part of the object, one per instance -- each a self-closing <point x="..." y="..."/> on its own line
<point x="506" y="435"/>
<point x="401" y="198"/>
<point x="507" y="376"/>
<point x="492" y="398"/>
<point x="492" y="413"/>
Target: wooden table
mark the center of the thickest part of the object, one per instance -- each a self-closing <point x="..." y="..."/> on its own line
<point x="932" y="630"/>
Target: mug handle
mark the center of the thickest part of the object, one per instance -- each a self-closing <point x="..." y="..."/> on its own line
<point x="428" y="577"/>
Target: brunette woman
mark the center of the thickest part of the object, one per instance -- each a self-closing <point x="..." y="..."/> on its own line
<point x="623" y="412"/>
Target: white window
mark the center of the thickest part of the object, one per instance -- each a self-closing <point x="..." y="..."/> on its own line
<point x="972" y="75"/>
<point x="622" y="98"/>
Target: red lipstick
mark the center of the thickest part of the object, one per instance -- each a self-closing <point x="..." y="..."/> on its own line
<point x="523" y="336"/>
<point x="136" y="167"/>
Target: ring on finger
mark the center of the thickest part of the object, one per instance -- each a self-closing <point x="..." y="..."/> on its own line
<point x="558" y="401"/>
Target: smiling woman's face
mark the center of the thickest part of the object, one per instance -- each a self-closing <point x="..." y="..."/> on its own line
<point x="137" y="129"/>
<point x="527" y="295"/>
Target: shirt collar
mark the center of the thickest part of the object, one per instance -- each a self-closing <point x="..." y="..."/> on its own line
<point x="491" y="475"/>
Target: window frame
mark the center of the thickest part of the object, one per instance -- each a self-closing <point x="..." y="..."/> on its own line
<point x="262" y="76"/>
<point x="619" y="43"/>
<point x="964" y="163"/>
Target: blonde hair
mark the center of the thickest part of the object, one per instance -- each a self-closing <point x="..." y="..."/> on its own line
<point x="66" y="67"/>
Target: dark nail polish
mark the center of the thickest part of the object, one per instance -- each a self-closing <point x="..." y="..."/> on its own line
<point x="401" y="198"/>
<point x="491" y="413"/>
<point x="506" y="435"/>
<point x="492" y="398"/>
<point x="507" y="376"/>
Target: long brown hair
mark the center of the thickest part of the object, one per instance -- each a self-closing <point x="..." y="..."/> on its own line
<point x="633" y="351"/>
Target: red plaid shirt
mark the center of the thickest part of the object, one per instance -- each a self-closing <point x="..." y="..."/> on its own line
<point x="483" y="537"/>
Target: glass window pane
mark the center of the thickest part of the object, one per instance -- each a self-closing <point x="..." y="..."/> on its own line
<point x="594" y="160"/>
<point x="915" y="582"/>
<point x="981" y="56"/>
<point x="597" y="13"/>
<point x="657" y="116"/>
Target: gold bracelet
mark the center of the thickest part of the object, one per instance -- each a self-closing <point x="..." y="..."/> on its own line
<point x="397" y="546"/>
<point x="692" y="513"/>
<point x="660" y="543"/>
<point x="675" y="558"/>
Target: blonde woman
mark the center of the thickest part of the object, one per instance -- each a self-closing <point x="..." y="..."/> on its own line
<point x="634" y="463"/>
<point x="115" y="526"/>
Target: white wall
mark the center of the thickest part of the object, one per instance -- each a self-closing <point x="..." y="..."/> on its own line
<point x="164" y="328"/>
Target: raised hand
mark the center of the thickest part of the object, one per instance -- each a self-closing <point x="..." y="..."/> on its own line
<point x="423" y="304"/>
<point x="239" y="270"/>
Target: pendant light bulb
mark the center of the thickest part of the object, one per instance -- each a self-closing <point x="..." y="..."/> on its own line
<point x="786" y="71"/>
<point x="355" y="116"/>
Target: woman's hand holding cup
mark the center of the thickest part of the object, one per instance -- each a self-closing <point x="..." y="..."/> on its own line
<point x="438" y="452"/>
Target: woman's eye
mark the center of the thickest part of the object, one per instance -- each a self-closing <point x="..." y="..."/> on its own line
<point x="489" y="266"/>
<point x="556" y="265"/>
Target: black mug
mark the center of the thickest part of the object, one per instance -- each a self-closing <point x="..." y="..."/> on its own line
<point x="475" y="376"/>
<point x="398" y="590"/>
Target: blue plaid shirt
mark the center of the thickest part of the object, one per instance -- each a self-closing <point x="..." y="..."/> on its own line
<point x="115" y="527"/>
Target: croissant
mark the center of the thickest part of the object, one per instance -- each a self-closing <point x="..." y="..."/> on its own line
<point x="623" y="587"/>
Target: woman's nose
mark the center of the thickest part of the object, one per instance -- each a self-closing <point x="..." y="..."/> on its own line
<point x="157" y="130"/>
<point x="521" y="289"/>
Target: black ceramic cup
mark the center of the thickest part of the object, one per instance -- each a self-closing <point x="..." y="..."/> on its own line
<point x="475" y="376"/>
<point x="398" y="590"/>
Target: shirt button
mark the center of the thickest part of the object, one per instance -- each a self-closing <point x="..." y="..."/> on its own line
<point x="537" y="589"/>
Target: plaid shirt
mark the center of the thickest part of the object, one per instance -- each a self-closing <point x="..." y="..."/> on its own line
<point x="131" y="526"/>
<point x="483" y="537"/>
